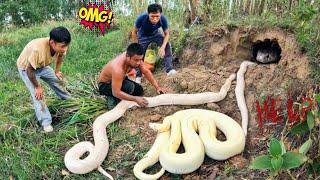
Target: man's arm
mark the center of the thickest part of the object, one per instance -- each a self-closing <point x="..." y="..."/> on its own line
<point x="117" y="79"/>
<point x="32" y="77"/>
<point x="164" y="44"/>
<point x="151" y="79"/>
<point x="165" y="39"/>
<point x="58" y="63"/>
<point x="134" y="35"/>
<point x="136" y="27"/>
<point x="58" y="66"/>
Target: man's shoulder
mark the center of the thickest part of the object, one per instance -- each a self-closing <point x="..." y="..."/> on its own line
<point x="163" y="18"/>
<point x="142" y="16"/>
<point x="116" y="63"/>
<point x="39" y="41"/>
<point x="38" y="44"/>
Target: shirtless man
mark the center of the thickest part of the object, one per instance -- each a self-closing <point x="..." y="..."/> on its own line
<point x="114" y="83"/>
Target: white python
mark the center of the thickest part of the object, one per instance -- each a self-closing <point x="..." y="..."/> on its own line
<point x="99" y="151"/>
<point x="239" y="91"/>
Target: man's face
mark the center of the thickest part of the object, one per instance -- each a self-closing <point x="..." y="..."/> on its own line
<point x="154" y="17"/>
<point x="59" y="47"/>
<point x="135" y="60"/>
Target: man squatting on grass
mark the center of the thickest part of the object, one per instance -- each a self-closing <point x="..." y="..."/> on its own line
<point x="146" y="31"/>
<point x="33" y="64"/>
<point x="114" y="83"/>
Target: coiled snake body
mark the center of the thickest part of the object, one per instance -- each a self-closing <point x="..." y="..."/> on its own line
<point x="184" y="125"/>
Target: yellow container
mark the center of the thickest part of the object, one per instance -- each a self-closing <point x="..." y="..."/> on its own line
<point x="150" y="56"/>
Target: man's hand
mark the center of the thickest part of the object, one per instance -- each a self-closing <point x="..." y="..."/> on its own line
<point x="134" y="37"/>
<point x="162" y="52"/>
<point x="39" y="93"/>
<point x="161" y="90"/>
<point x="59" y="75"/>
<point x="141" y="101"/>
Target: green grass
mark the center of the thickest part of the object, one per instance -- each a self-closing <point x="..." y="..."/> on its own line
<point x="26" y="152"/>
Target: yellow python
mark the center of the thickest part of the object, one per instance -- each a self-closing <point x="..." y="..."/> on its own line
<point x="184" y="125"/>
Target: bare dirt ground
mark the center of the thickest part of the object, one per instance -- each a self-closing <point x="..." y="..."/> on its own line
<point x="205" y="63"/>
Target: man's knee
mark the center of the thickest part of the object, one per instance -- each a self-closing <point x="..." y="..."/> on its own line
<point x="66" y="96"/>
<point x="133" y="88"/>
<point x="128" y="86"/>
<point x="168" y="49"/>
<point x="138" y="90"/>
<point x="105" y="89"/>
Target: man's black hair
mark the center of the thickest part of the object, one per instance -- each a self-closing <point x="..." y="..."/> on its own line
<point x="134" y="49"/>
<point x="154" y="8"/>
<point x="60" y="35"/>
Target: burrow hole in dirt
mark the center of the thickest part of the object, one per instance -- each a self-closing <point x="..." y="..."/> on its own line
<point x="266" y="51"/>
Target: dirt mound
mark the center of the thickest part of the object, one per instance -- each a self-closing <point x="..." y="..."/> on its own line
<point x="206" y="61"/>
<point x="223" y="50"/>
